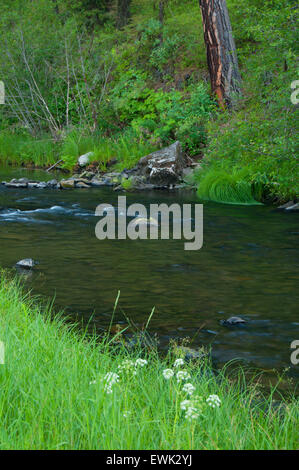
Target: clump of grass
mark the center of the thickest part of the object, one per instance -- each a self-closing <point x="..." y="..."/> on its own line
<point x="23" y="149"/>
<point x="129" y="149"/>
<point x="228" y="188"/>
<point x="126" y="148"/>
<point x="62" y="389"/>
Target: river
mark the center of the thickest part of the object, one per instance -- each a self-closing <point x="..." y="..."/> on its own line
<point x="248" y="266"/>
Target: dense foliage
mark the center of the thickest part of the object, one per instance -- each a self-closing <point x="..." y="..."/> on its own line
<point x="70" y="70"/>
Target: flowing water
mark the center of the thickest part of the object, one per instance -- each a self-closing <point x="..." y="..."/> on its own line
<point x="248" y="266"/>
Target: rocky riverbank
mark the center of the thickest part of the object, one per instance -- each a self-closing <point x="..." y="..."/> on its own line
<point x="164" y="169"/>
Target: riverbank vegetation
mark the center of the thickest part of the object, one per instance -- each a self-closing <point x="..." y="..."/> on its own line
<point x="78" y="79"/>
<point x="63" y="389"/>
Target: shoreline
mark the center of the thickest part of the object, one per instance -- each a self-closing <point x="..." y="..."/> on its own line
<point x="64" y="372"/>
<point x="118" y="182"/>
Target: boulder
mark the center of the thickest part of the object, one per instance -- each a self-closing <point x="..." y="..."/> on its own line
<point x="163" y="167"/>
<point x="85" y="159"/>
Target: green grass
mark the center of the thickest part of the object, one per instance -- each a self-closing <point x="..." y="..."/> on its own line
<point x="228" y="188"/>
<point x="52" y="393"/>
<point x="126" y="148"/>
<point x="22" y="149"/>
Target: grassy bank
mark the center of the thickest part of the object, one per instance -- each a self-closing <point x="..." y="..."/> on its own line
<point x="55" y="394"/>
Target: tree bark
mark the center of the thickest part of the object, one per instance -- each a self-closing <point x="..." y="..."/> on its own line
<point x="221" y="51"/>
<point x="123" y="13"/>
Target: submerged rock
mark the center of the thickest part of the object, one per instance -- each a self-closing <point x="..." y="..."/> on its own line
<point x="190" y="353"/>
<point x="27" y="263"/>
<point x="233" y="321"/>
<point x="145" y="221"/>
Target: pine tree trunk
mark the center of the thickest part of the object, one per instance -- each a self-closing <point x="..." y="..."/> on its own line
<point x="123" y="13"/>
<point x="221" y="51"/>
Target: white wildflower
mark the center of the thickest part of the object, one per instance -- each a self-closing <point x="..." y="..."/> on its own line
<point x="182" y="375"/>
<point x="141" y="362"/>
<point x="193" y="407"/>
<point x="168" y="373"/>
<point x="110" y="379"/>
<point x="213" y="401"/>
<point x="192" y="413"/>
<point x="185" y="404"/>
<point x="126" y="365"/>
<point x="188" y="388"/>
<point x="108" y="388"/>
<point x="93" y="382"/>
<point x="178" y="362"/>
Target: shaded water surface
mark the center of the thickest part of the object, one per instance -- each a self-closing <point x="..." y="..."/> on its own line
<point x="248" y="266"/>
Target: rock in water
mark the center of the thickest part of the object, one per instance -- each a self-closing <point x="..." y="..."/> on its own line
<point x="233" y="321"/>
<point x="293" y="208"/>
<point x="290" y="206"/>
<point x="84" y="160"/>
<point x="27" y="263"/>
<point x="164" y="166"/>
<point x="67" y="184"/>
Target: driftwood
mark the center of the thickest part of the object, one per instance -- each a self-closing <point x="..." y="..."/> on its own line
<point x="55" y="165"/>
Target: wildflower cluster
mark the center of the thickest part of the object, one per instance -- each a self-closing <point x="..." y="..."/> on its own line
<point x="188" y="388"/>
<point x="193" y="407"/>
<point x="168" y="373"/>
<point x="182" y="375"/>
<point x="130" y="366"/>
<point x="178" y="362"/>
<point x="213" y="401"/>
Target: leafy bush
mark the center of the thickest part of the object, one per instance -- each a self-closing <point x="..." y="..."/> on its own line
<point x="164" y="116"/>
